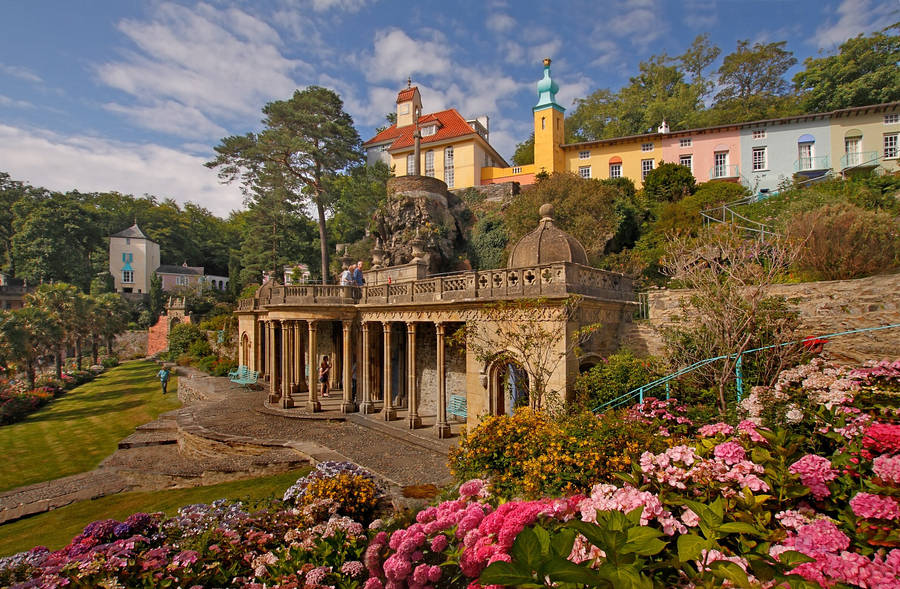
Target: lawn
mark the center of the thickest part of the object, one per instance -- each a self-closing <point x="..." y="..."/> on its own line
<point x="77" y="431"/>
<point x="56" y="528"/>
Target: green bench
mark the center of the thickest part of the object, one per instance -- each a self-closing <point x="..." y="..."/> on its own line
<point x="243" y="376"/>
<point x="457" y="406"/>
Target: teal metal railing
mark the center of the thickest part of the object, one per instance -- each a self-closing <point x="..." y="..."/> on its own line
<point x="638" y="393"/>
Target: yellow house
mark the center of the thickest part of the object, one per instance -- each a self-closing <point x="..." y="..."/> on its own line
<point x="866" y="137"/>
<point x="452" y="148"/>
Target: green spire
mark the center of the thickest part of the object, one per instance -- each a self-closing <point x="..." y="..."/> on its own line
<point x="547" y="90"/>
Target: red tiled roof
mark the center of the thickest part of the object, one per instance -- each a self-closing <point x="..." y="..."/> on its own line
<point x="407" y="94"/>
<point x="451" y="125"/>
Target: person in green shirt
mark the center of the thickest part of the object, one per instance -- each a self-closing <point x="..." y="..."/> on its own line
<point x="163" y="375"/>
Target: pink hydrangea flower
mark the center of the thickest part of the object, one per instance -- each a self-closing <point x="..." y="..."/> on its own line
<point x="712" y="429"/>
<point x="887" y="468"/>
<point x="815" y="472"/>
<point x="750" y="429"/>
<point x="730" y="452"/>
<point x="474" y="488"/>
<point x="869" y="506"/>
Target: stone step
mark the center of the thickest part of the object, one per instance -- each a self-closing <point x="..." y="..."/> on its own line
<point x="410" y="436"/>
<point x="142" y="438"/>
<point x="41" y="497"/>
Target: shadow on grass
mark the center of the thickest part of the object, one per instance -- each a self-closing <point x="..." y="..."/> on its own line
<point x="69" y="414"/>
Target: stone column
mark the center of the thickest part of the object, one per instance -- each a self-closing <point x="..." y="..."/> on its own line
<point x="388" y="412"/>
<point x="257" y="347"/>
<point x="367" y="405"/>
<point x="347" y="405"/>
<point x="287" y="364"/>
<point x="441" y="428"/>
<point x="333" y="373"/>
<point x="413" y="398"/>
<point x="297" y="356"/>
<point x="302" y="380"/>
<point x="313" y="404"/>
<point x="271" y="363"/>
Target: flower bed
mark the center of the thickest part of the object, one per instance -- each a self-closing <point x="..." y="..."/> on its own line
<point x="17" y="402"/>
<point x="709" y="505"/>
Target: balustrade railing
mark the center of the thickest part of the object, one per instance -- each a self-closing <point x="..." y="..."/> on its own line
<point x="556" y="280"/>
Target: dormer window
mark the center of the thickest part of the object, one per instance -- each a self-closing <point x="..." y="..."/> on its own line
<point x="429" y="130"/>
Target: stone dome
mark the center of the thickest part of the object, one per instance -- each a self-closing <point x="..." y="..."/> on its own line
<point x="546" y="244"/>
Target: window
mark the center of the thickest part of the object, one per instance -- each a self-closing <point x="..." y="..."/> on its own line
<point x="759" y="133"/>
<point x="127" y="241"/>
<point x="448" y="166"/>
<point x="543" y="123"/>
<point x="517" y="170"/>
<point x="892" y="119"/>
<point x="720" y="164"/>
<point x="429" y="163"/>
<point x="583" y="155"/>
<point x="127" y="257"/>
<point x="181" y="280"/>
<point x="805" y="153"/>
<point x="646" y="147"/>
<point x="890" y="146"/>
<point x="759" y="159"/>
<point x="615" y="170"/>
<point x="646" y="168"/>
<point x="584" y="171"/>
<point x="410" y="165"/>
<point x="383" y="147"/>
<point x="685" y="142"/>
<point x="687" y="161"/>
<point x="128" y="276"/>
<point x="404" y="108"/>
<point x="429" y="130"/>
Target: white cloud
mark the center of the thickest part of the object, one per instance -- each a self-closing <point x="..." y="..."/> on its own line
<point x="171" y="117"/>
<point x="345" y="5"/>
<point x="212" y="62"/>
<point x="57" y="162"/>
<point x="500" y="22"/>
<point x="20" y="72"/>
<point x="537" y="53"/>
<point x="640" y="21"/>
<point x="855" y="17"/>
<point x="12" y="102"/>
<point x="397" y="55"/>
<point x="700" y="14"/>
<point x="512" y="52"/>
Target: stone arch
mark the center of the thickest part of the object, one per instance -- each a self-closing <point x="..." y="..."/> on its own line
<point x="588" y="361"/>
<point x="245" y="349"/>
<point x="173" y="322"/>
<point x="507" y="385"/>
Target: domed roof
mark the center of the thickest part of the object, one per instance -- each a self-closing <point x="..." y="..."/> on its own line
<point x="546" y="244"/>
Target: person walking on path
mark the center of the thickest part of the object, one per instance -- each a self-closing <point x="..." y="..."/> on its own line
<point x="324" y="371"/>
<point x="358" y="274"/>
<point x="163" y="375"/>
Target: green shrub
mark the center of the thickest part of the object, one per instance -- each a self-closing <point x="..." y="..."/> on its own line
<point x="614" y="376"/>
<point x="222" y="366"/>
<point x="487" y="247"/>
<point x="182" y="336"/>
<point x="669" y="182"/>
<point x="200" y="348"/>
<point x="109" y="362"/>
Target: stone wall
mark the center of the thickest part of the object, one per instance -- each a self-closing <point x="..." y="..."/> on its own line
<point x="500" y="192"/>
<point x="825" y="307"/>
<point x="131" y="344"/>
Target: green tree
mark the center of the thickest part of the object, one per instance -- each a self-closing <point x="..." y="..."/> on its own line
<point x="864" y="71"/>
<point x="59" y="302"/>
<point x="157" y="296"/>
<point x="697" y="59"/>
<point x="752" y="82"/>
<point x="524" y="154"/>
<point x="11" y="192"/>
<point x="305" y="139"/>
<point x="26" y="334"/>
<point x="356" y="195"/>
<point x="111" y="313"/>
<point x="669" y="182"/>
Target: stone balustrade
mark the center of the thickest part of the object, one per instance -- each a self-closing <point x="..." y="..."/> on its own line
<point x="547" y="280"/>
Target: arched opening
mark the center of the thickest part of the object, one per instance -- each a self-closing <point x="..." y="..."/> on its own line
<point x="245" y="350"/>
<point x="508" y="386"/>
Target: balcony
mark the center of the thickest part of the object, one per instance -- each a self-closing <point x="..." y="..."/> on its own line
<point x="811" y="164"/>
<point x="859" y="159"/>
<point x="723" y="172"/>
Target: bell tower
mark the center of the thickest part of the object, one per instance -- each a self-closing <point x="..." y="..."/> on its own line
<point x="549" y="126"/>
<point x="409" y="105"/>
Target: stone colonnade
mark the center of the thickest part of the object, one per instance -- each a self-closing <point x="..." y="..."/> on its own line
<point x="290" y="350"/>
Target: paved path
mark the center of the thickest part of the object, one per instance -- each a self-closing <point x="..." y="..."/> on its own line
<point x="225" y="432"/>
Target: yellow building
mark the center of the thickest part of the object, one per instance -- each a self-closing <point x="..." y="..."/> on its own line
<point x="452" y="148"/>
<point x="866" y="137"/>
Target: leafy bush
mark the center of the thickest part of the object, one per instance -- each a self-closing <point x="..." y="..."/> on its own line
<point x="844" y="241"/>
<point x="349" y="489"/>
<point x="109" y="362"/>
<point x="613" y="377"/>
<point x="669" y="182"/>
<point x="487" y="247"/>
<point x="531" y="454"/>
<point x="200" y="348"/>
<point x="15" y="406"/>
<point x="222" y="366"/>
<point x="181" y="336"/>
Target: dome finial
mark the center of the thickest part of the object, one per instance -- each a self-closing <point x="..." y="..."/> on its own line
<point x="546" y="211"/>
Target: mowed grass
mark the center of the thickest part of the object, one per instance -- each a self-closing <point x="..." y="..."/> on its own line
<point x="56" y="528"/>
<point x="76" y="432"/>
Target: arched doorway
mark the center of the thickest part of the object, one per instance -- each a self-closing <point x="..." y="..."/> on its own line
<point x="508" y="386"/>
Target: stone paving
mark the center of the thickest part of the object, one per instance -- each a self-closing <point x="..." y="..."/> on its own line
<point x="226" y="432"/>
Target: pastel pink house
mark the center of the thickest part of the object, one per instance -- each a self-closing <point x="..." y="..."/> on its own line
<point x="713" y="153"/>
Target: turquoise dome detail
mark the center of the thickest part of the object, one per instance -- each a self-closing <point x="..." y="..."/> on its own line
<point x="547" y="90"/>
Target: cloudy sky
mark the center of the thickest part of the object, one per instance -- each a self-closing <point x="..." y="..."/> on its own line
<point x="131" y="95"/>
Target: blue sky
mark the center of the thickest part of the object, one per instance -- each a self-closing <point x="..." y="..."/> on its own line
<point x="132" y="95"/>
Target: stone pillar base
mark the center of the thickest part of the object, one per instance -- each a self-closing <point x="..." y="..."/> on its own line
<point x="442" y="431"/>
<point x="367" y="407"/>
<point x="348" y="407"/>
<point x="274" y="398"/>
<point x="287" y="403"/>
<point x="389" y="414"/>
<point x="414" y="421"/>
<point x="313" y="406"/>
